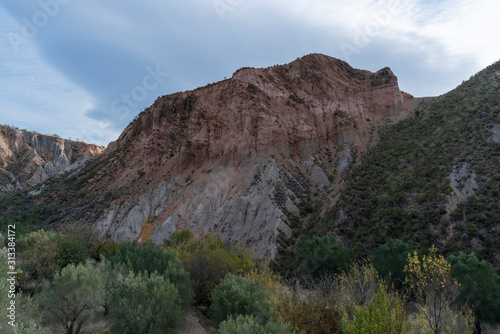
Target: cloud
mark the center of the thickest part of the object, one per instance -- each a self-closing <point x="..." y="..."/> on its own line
<point x="98" y="59"/>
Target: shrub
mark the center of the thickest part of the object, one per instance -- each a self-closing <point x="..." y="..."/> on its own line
<point x="75" y="297"/>
<point x="237" y="295"/>
<point x="208" y="261"/>
<point x="479" y="285"/>
<point x="71" y="251"/>
<point x="390" y="260"/>
<point x="383" y="314"/>
<point x="148" y="259"/>
<point x="431" y="282"/>
<point x="307" y="310"/>
<point x="322" y="255"/>
<point x="248" y="324"/>
<point x="144" y="304"/>
<point x="38" y="252"/>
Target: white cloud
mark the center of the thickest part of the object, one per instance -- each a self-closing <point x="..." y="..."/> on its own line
<point x="37" y="97"/>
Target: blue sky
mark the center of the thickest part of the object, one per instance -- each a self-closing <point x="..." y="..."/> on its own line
<point x="84" y="68"/>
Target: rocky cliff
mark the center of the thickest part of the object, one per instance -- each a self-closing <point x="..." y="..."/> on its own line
<point x="244" y="156"/>
<point x="28" y="159"/>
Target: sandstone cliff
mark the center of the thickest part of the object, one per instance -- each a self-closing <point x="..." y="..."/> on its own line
<point x="243" y="156"/>
<point x="28" y="159"/>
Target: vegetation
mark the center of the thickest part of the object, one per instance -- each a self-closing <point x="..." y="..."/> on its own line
<point x="76" y="296"/>
<point x="402" y="186"/>
<point x="237" y="295"/>
<point x="479" y="285"/>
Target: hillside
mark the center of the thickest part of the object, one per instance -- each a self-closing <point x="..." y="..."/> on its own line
<point x="243" y="157"/>
<point x="28" y="159"/>
<point x="432" y="179"/>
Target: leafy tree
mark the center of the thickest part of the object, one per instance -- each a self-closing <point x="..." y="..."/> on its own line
<point x="430" y="280"/>
<point x="248" y="324"/>
<point x="148" y="259"/>
<point x="479" y="285"/>
<point x="390" y="260"/>
<point x="144" y="304"/>
<point x="38" y="252"/>
<point x="209" y="261"/>
<point x="71" y="251"/>
<point x="75" y="297"/>
<point x="322" y="255"/>
<point x="237" y="295"/>
<point x="86" y="234"/>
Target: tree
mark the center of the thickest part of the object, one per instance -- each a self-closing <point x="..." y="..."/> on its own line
<point x="148" y="259"/>
<point x="322" y="255"/>
<point x="76" y="296"/>
<point x="390" y="260"/>
<point x="209" y="261"/>
<point x="237" y="295"/>
<point x="144" y="304"/>
<point x="38" y="252"/>
<point x="479" y="285"/>
<point x="435" y="289"/>
<point x="71" y="251"/>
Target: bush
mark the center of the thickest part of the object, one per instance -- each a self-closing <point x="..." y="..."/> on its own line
<point x="75" y="297"/>
<point x="323" y="255"/>
<point x="479" y="285"/>
<point x="429" y="278"/>
<point x="148" y="259"/>
<point x="237" y="295"/>
<point x="38" y="252"/>
<point x="71" y="251"/>
<point x="248" y="324"/>
<point x="208" y="261"/>
<point x="390" y="260"/>
<point x="307" y="310"/>
<point x="383" y="314"/>
<point x="144" y="304"/>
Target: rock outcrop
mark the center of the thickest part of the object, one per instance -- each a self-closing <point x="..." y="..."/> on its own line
<point x="244" y="156"/>
<point x="28" y="159"/>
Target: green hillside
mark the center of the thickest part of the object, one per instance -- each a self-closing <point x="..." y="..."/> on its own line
<point x="403" y="184"/>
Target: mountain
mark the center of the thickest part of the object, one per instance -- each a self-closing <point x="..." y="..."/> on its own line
<point x="433" y="178"/>
<point x="28" y="159"/>
<point x="245" y="157"/>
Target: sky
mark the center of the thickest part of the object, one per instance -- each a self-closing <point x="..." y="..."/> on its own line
<point x="83" y="69"/>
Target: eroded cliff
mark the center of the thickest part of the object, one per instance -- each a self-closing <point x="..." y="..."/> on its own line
<point x="28" y="159"/>
<point x="243" y="156"/>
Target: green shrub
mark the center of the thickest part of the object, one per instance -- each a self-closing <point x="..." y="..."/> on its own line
<point x="390" y="260"/>
<point x="75" y="296"/>
<point x="208" y="261"/>
<point x="248" y="324"/>
<point x="237" y="295"/>
<point x="383" y="314"/>
<point x="322" y="255"/>
<point x="71" y="251"/>
<point x="148" y="259"/>
<point x="144" y="304"/>
<point x="479" y="285"/>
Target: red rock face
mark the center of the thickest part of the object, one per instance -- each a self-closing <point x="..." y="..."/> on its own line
<point x="255" y="144"/>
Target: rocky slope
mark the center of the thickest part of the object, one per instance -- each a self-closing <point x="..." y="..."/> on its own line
<point x="242" y="156"/>
<point x="28" y="159"/>
<point x="432" y="179"/>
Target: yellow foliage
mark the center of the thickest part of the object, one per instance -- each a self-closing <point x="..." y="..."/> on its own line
<point x="146" y="231"/>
